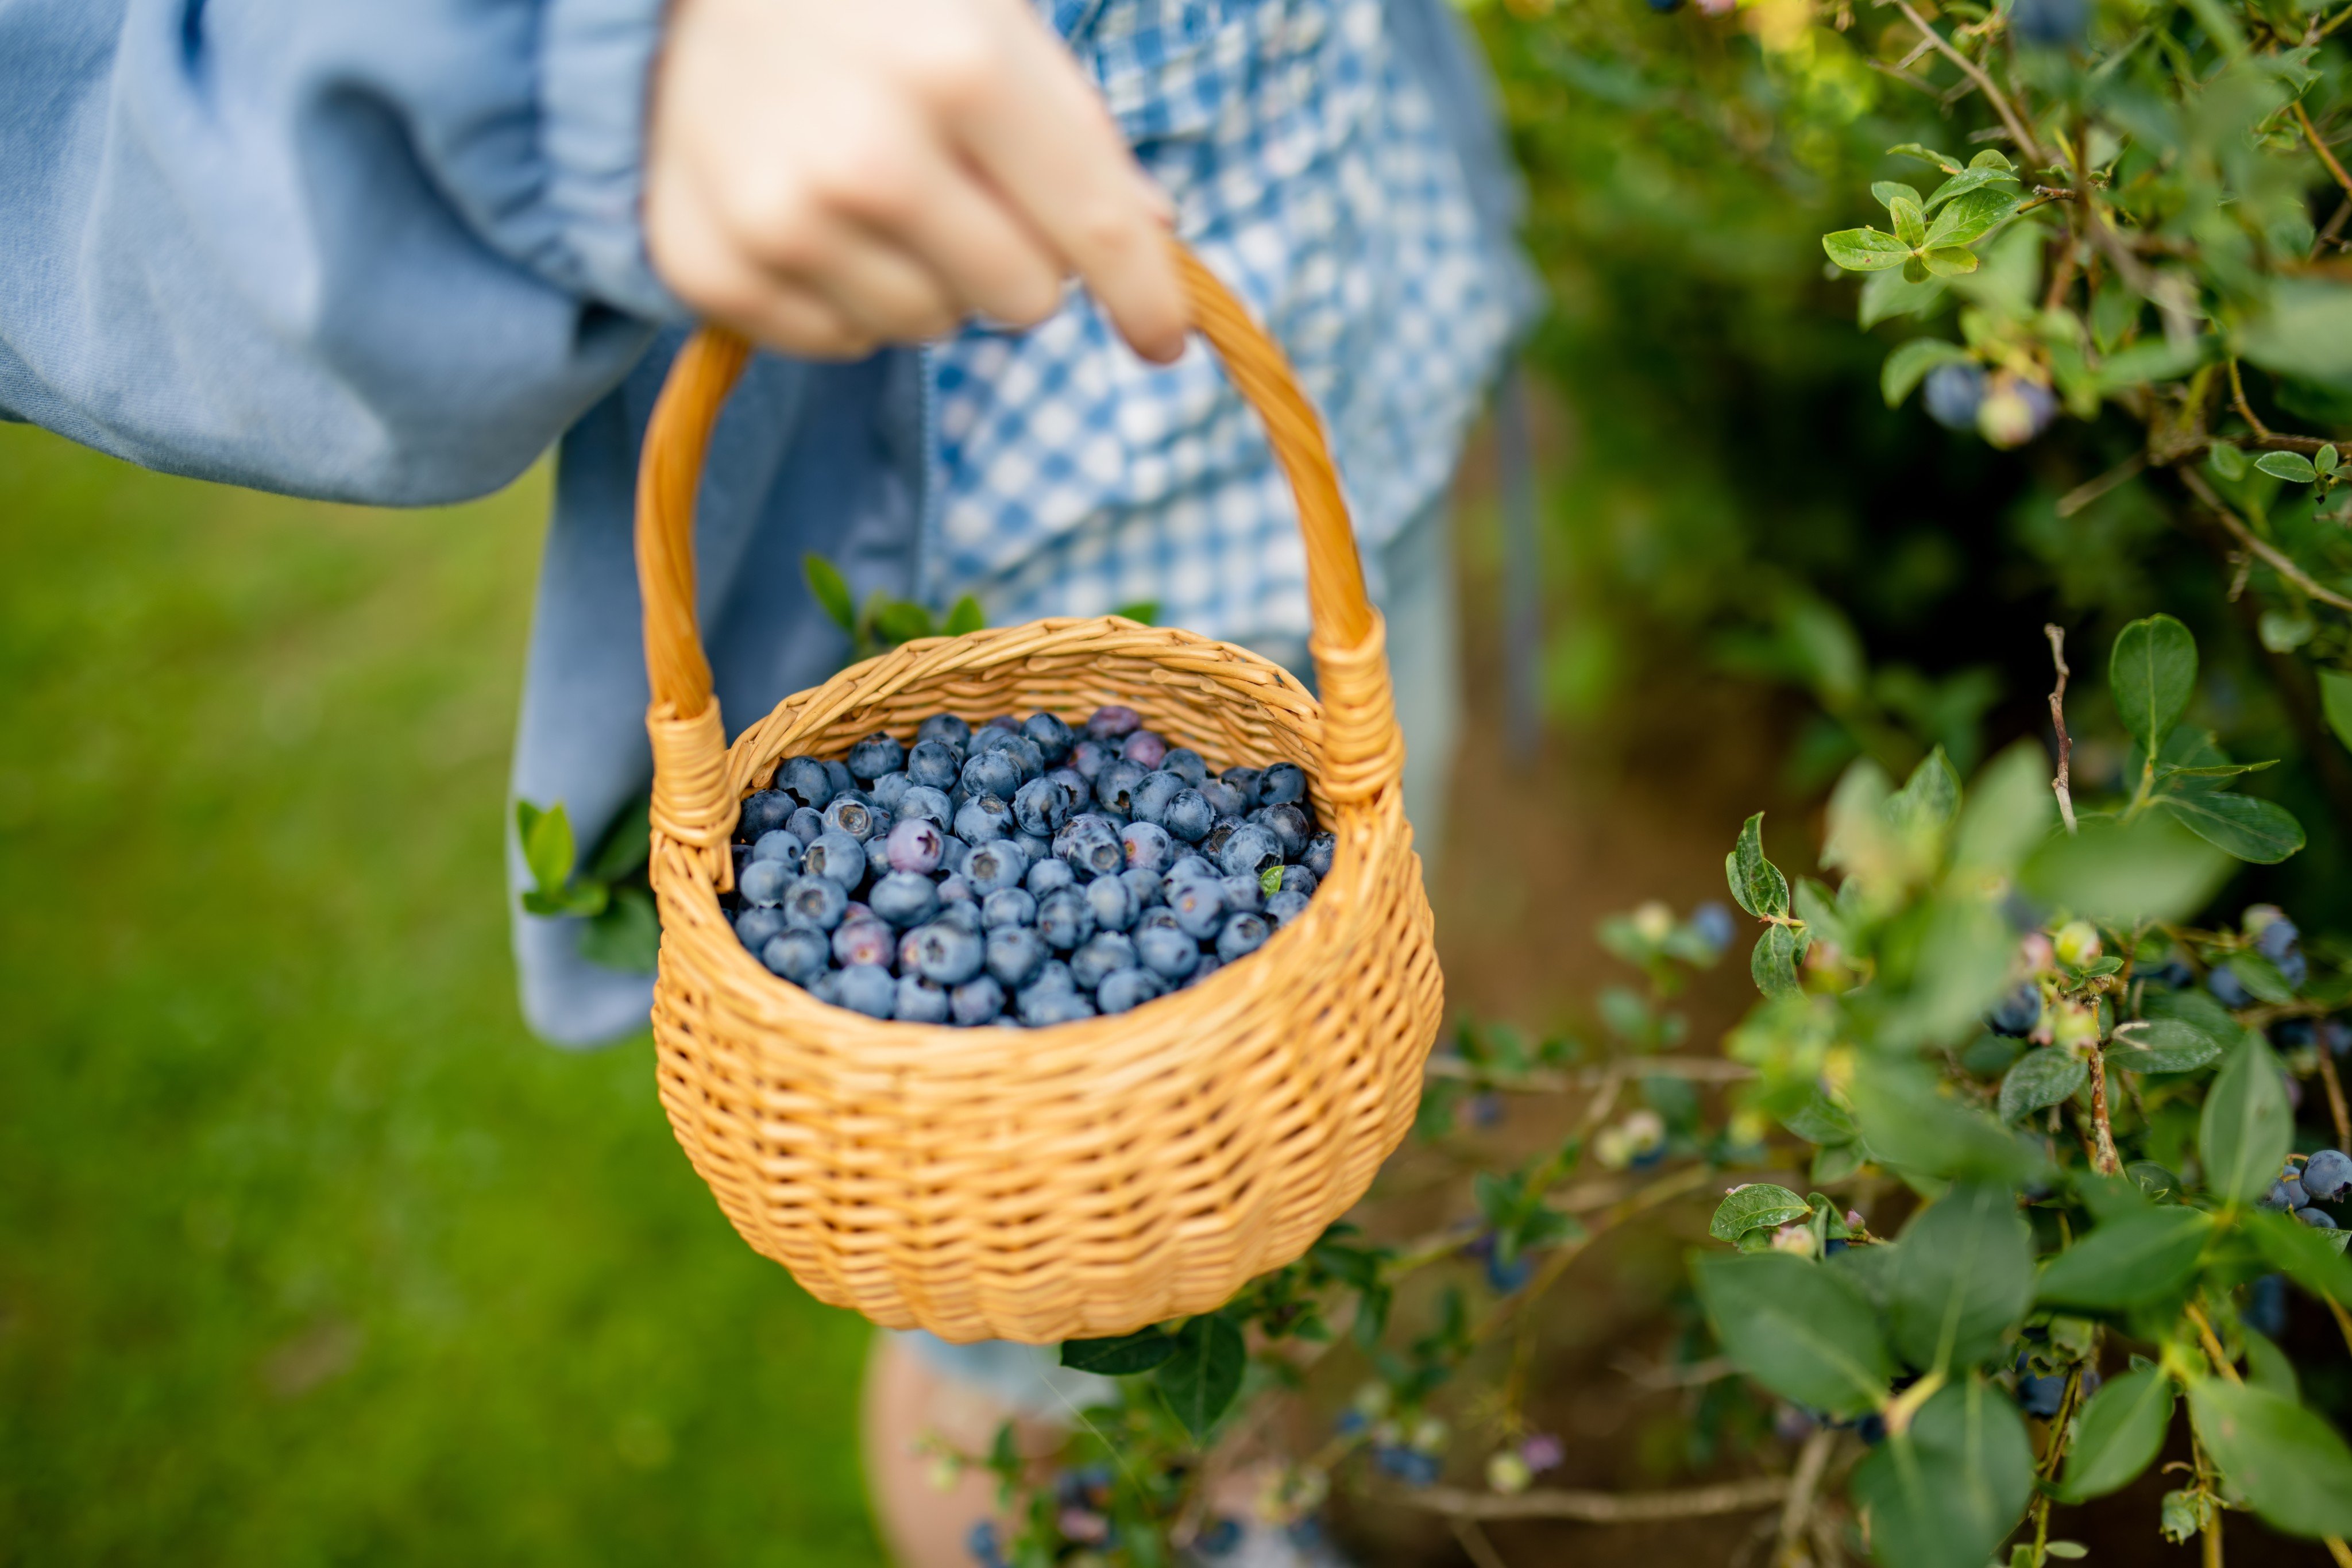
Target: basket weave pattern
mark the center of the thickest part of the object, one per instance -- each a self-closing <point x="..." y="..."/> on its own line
<point x="1090" y="1178"/>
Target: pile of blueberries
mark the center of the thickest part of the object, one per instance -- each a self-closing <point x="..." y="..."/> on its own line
<point x="1022" y="873"/>
<point x="2324" y="1178"/>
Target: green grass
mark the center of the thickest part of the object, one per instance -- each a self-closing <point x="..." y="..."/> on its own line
<point x="309" y="1253"/>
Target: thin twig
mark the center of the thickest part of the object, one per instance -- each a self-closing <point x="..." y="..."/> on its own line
<point x="2104" y="1158"/>
<point x="2319" y="145"/>
<point x="2337" y="1550"/>
<point x="2343" y="1320"/>
<point x="2212" y="1341"/>
<point x="2059" y="785"/>
<point x="1697" y="1374"/>
<point x="1905" y="77"/>
<point x="2245" y="410"/>
<point x="2336" y="1107"/>
<point x="1796" y="1512"/>
<point x="2276" y="560"/>
<point x="2089" y="491"/>
<point x="1598" y="1507"/>
<point x="2016" y="131"/>
<point x="1474" y="1544"/>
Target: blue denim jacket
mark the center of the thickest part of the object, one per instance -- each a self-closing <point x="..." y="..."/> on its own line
<point x="391" y="253"/>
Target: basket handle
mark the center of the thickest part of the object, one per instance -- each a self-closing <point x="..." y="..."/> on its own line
<point x="1362" y="749"/>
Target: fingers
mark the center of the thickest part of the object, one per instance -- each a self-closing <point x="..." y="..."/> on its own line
<point x="710" y="270"/>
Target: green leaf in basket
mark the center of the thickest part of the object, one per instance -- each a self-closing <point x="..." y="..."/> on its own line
<point x="965" y="615"/>
<point x="1143" y="612"/>
<point x="902" y="620"/>
<point x="824" y="580"/>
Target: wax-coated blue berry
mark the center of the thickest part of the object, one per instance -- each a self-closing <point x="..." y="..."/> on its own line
<point x="890" y="789"/>
<point x="1148" y="847"/>
<point x="1064" y="920"/>
<point x="1212" y="843"/>
<point x="1043" y="1009"/>
<point x="826" y="987"/>
<point x="1144" y="885"/>
<point x="920" y="1001"/>
<point x="945" y="953"/>
<point x="954" y="889"/>
<point x="2281" y="942"/>
<point x="766" y="811"/>
<point x="1158" y="918"/>
<point x="1124" y="990"/>
<point x="1100" y="953"/>
<point x="2326" y="1174"/>
<point x="1008" y="907"/>
<point x="850" y="815"/>
<point x="839" y="776"/>
<point x="814" y="903"/>
<point x="2017" y="1012"/>
<point x="1187" y="764"/>
<point x="1001" y="863"/>
<point x="963" y="915"/>
<point x="1410" y="1465"/>
<point x="756" y="926"/>
<point x="1244" y="895"/>
<point x="1224" y="799"/>
<point x="1249" y="851"/>
<point x="905" y="898"/>
<point x="764" y="881"/>
<point x="2317" y="1220"/>
<point x="944" y="727"/>
<point x="1004" y="721"/>
<point x="800" y="956"/>
<point x="1041" y="806"/>
<point x="837" y="858"/>
<point x="874" y="756"/>
<point x="1037" y="846"/>
<point x="1323" y="846"/>
<point x="2285" y="1196"/>
<point x="1242" y="934"/>
<point x="1289" y="827"/>
<point x="976" y="1002"/>
<point x="1711" y="923"/>
<point x="1192" y="867"/>
<point x="1089" y="758"/>
<point x="1054" y="737"/>
<point x="868" y="988"/>
<point x="1110" y="722"/>
<point x="1047" y="876"/>
<point x="982" y="819"/>
<point x="1153" y="794"/>
<point x="1953" y="392"/>
<point x="1188" y="816"/>
<point x="1281" y="784"/>
<point x="1284" y="907"/>
<point x="1115" y="786"/>
<point x="1298" y="879"/>
<point x="1168" y="953"/>
<point x="1090" y="846"/>
<point x="1111" y="903"/>
<point x="2228" y="989"/>
<point x="953" y="853"/>
<point x="934" y="764"/>
<point x="1077" y="789"/>
<point x="2042" y="1397"/>
<point x="805" y="780"/>
<point x="779" y="845"/>
<point x="1245" y="783"/>
<point x="1210" y="964"/>
<point x="1199" y="908"/>
<point x="2053" y="24"/>
<point x="864" y="941"/>
<point x="991" y="773"/>
<point x="915" y="844"/>
<point x="1054" y="974"/>
<point x="1145" y="747"/>
<point x="1014" y="954"/>
<point x="994" y="736"/>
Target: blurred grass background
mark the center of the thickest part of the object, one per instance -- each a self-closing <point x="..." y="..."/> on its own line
<point x="309" y="1253"/>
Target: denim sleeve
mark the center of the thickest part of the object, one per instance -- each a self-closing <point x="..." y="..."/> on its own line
<point x="369" y="251"/>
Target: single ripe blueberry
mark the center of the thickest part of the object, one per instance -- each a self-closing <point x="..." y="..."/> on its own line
<point x="1143" y="746"/>
<point x="946" y="953"/>
<point x="2276" y="938"/>
<point x="837" y="858"/>
<point x="2228" y="989"/>
<point x="1103" y="953"/>
<point x="1091" y="847"/>
<point x="839" y="777"/>
<point x="1284" y="907"/>
<point x="955" y="890"/>
<point x="1213" y="844"/>
<point x="1210" y="964"/>
<point x="934" y="764"/>
<point x="1190" y="867"/>
<point x="1189" y="815"/>
<point x="764" y="881"/>
<point x="1168" y="953"/>
<point x="852" y="815"/>
<point x="1076" y="790"/>
<point x="864" y="941"/>
<point x="2053" y="24"/>
<point x="766" y="811"/>
<point x="2041" y="1396"/>
<point x="915" y="844"/>
<point x="1124" y="990"/>
<point x="1187" y="764"/>
<point x="2326" y="1174"/>
<point x="920" y="1001"/>
<point x="1047" y="876"/>
<point x="1038" y="845"/>
<point x="1243" y="934"/>
<point x="1249" y="851"/>
<point x="1052" y="736"/>
<point x="976" y="1002"/>
<point x="1110" y="722"/>
<point x="1111" y="904"/>
<point x="874" y="756"/>
<point x="1199" y="908"/>
<point x="890" y="789"/>
<point x="1952" y="394"/>
<point x="2277" y="1200"/>
<point x="1281" y="784"/>
<point x="1152" y="796"/>
<point x="800" y="956"/>
<point x="1289" y="827"/>
<point x="2296" y="1194"/>
<point x="1148" y="847"/>
<point x="1089" y="758"/>
<point x="991" y="773"/>
<point x="2317" y="1220"/>
<point x="1015" y="956"/>
<point x="2016" y="1013"/>
<point x="1224" y="799"/>
<point x="998" y="864"/>
<point x="805" y="780"/>
<point x="779" y="845"/>
<point x="804" y="824"/>
<point x="1323" y="846"/>
<point x="983" y="817"/>
<point x="1144" y="885"/>
<point x="1043" y="1009"/>
<point x="1004" y="721"/>
<point x="1115" y="786"/>
<point x="1243" y="781"/>
<point x="869" y="988"/>
<point x="944" y="727"/>
<point x="1008" y="907"/>
<point x="964" y="917"/>
<point x="905" y="898"/>
<point x="953" y="853"/>
<point x="814" y="903"/>
<point x="1158" y="918"/>
<point x="1244" y="895"/>
<point x="1064" y="920"/>
<point x="1041" y="806"/>
<point x="826" y="988"/>
<point x="755" y="927"/>
<point x="1052" y="976"/>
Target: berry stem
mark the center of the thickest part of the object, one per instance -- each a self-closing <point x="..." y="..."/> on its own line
<point x="2057" y="635"/>
<point x="2336" y="1105"/>
<point x="2104" y="1158"/>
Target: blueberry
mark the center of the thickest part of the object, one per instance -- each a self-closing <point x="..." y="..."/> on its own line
<point x="1289" y="827"/>
<point x="995" y="866"/>
<point x="2227" y="989"/>
<point x="1089" y="758"/>
<point x="976" y="1002"/>
<point x="1212" y="843"/>
<point x="1243" y="781"/>
<point x="1286" y="907"/>
<point x="850" y="815"/>
<point x="1064" y="920"/>
<point x="1158" y="918"/>
<point x="1115" y="786"/>
<point x="800" y="956"/>
<point x="905" y="898"/>
<point x="1953" y="392"/>
<point x="1243" y="934"/>
<point x="915" y="844"/>
<point x="756" y="927"/>
<point x="1052" y="975"/>
<point x="944" y="727"/>
<point x="1144" y="885"/>
<point x="2266" y="1307"/>
<point x="1281" y="784"/>
<point x="868" y="988"/>
<point x="876" y="755"/>
<point x="1041" y="806"/>
<point x="1153" y="794"/>
<point x="890" y="789"/>
<point x="1710" y="922"/>
<point x="1410" y="1466"/>
<point x="1187" y="764"/>
<point x="826" y="987"/>
<point x="1224" y="799"/>
<point x="837" y="858"/>
<point x="1167" y="952"/>
<point x="1192" y="867"/>
<point x="1103" y="953"/>
<point x="1505" y="1279"/>
<point x="954" y="891"/>
<point x="2277" y="938"/>
<point x="945" y="953"/>
<point x="1047" y="876"/>
<point x="1014" y="954"/>
<point x="991" y="773"/>
<point x="1243" y="895"/>
<point x="2317" y="1220"/>
<point x="2041" y="1396"/>
<point x="1111" y="723"/>
<point x="1148" y="847"/>
<point x="953" y="853"/>
<point x="1249" y="851"/>
<point x="806" y="780"/>
<point x="2016" y="1013"/>
<point x="865" y="940"/>
<point x="934" y="764"/>
<point x="1037" y="846"/>
<point x="983" y="817"/>
<point x="964" y="915"/>
<point x="1111" y="903"/>
<point x="1124" y="990"/>
<point x="839" y="777"/>
<point x="1091" y="847"/>
<point x="1222" y="1537"/>
<point x="1008" y="907"/>
<point x="1054" y="737"/>
<point x="814" y="903"/>
<point x="1298" y="879"/>
<point x="2286" y="1195"/>
<point x="1189" y="816"/>
<point x="1210" y="964"/>
<point x="766" y="811"/>
<point x="1199" y="908"/>
<point x="1043" y="1009"/>
<point x="2326" y="1174"/>
<point x="804" y="825"/>
<point x="920" y="1001"/>
<point x="1143" y="746"/>
<point x="2053" y="23"/>
<point x="1077" y="789"/>
<point x="763" y="882"/>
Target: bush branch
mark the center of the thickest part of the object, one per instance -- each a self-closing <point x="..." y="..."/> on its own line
<point x="2059" y="785"/>
<point x="2269" y="555"/>
<point x="1598" y="1507"/>
<point x="2319" y="145"/>
<point x="1975" y="73"/>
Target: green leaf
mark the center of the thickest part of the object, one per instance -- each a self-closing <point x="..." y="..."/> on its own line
<point x="1910" y="224"/>
<point x="2245" y="826"/>
<point x="2336" y="698"/>
<point x="2227" y="460"/>
<point x="2143" y="1255"/>
<point x="1200" y="1380"/>
<point x="1800" y="1330"/>
<point x="965" y="616"/>
<point x="2247" y="1125"/>
<point x="2122" y="873"/>
<point x="1143" y="612"/>
<point x="2154" y="360"/>
<point x="2267" y="1366"/>
<point x="903" y="621"/>
<point x="627" y="842"/>
<point x="1943" y="161"/>
<point x="1887" y="192"/>
<point x="2283" y="1458"/>
<point x="1773" y="964"/>
<point x="549" y="850"/>
<point x="1122" y="1355"/>
<point x="2008" y="812"/>
<point x="2118" y="1434"/>
<point x="2305" y="1256"/>
<point x="2151" y="675"/>
<point x="1968" y="180"/>
<point x="1972" y="215"/>
<point x="2328" y="459"/>
<point x="1864" y="249"/>
<point x="1910" y="362"/>
<point x="1992" y="158"/>
<point x="1819" y="1120"/>
<point x="1757" y="885"/>
<point x="1909" y="1123"/>
<point x="2258" y="975"/>
<point x="2290" y="465"/>
<point x="626" y="936"/>
<point x="1755" y="1205"/>
<point x="2163" y="1045"/>
<point x="825" y="581"/>
<point x="1888" y="294"/>
<point x="1963" y="1277"/>
<point x="1949" y="261"/>
<point x="1946" y="1492"/>
<point x="2041" y="1079"/>
<point x="2306" y="334"/>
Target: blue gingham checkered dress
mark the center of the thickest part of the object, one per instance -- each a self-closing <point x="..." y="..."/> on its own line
<point x="1313" y="171"/>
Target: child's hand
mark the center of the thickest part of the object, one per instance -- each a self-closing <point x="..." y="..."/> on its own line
<point x="828" y="175"/>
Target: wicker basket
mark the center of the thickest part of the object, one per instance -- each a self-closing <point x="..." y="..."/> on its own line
<point x="1088" y="1179"/>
